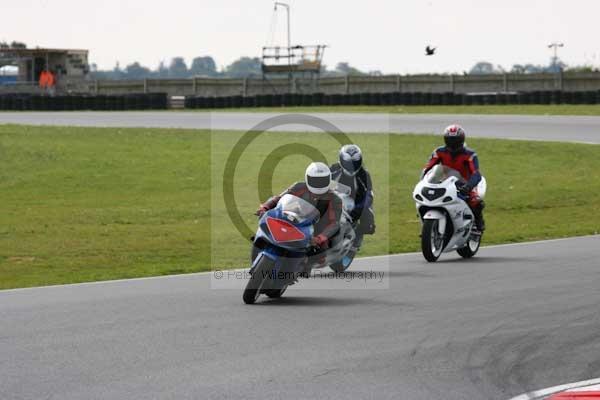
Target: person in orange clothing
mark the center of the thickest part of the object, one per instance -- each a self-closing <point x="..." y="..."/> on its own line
<point x="44" y="79"/>
<point x="51" y="79"/>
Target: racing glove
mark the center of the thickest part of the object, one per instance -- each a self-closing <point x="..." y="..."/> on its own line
<point x="320" y="241"/>
<point x="463" y="188"/>
<point x="261" y="211"/>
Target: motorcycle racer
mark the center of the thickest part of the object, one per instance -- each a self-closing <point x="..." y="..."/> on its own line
<point x="350" y="171"/>
<point x="459" y="157"/>
<point x="316" y="190"/>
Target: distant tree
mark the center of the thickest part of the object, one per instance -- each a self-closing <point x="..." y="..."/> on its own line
<point x="137" y="71"/>
<point x="18" y="45"/>
<point x="178" y="68"/>
<point x="484" y="68"/>
<point x="244" y="67"/>
<point x="162" y="71"/>
<point x="345" y="69"/>
<point x="4" y="45"/>
<point x="203" y="66"/>
<point x="517" y="69"/>
<point x="582" y="69"/>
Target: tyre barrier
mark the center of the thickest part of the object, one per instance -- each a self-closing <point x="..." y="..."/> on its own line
<point x="148" y="101"/>
<point x="358" y="99"/>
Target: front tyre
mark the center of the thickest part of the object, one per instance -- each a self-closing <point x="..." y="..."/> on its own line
<point x="275" y="293"/>
<point x="472" y="246"/>
<point x="432" y="241"/>
<point x="259" y="276"/>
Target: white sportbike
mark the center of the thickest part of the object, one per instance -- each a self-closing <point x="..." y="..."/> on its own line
<point x="448" y="222"/>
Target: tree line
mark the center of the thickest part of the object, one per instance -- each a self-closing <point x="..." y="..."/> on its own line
<point x="206" y="66"/>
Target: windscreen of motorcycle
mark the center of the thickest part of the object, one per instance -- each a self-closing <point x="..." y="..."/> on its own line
<point x="297" y="209"/>
<point x="440" y="173"/>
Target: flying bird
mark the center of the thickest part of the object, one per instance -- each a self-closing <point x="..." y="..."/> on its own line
<point x="429" y="51"/>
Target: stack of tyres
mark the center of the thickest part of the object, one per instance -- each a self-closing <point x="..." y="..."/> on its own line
<point x="478" y="100"/>
<point x="489" y="99"/>
<point x="88" y="102"/>
<point x="249" y="101"/>
<point x="156" y="102"/>
<point x="297" y="99"/>
<point x="196" y="102"/>
<point x="436" y="99"/>
<point x="189" y="102"/>
<point x="336" y="99"/>
<point x="210" y="102"/>
<point x="307" y="99"/>
<point x="286" y="101"/>
<point x="219" y="102"/>
<point x="376" y="99"/>
<point x="525" y="98"/>
<point x="278" y="100"/>
<point x="119" y="103"/>
<point x="318" y="99"/>
<point x="556" y="97"/>
<point x="545" y="97"/>
<point x="36" y="103"/>
<point x="130" y="102"/>
<point x="405" y="98"/>
<point x="387" y="99"/>
<point x="346" y="99"/>
<point x="501" y="98"/>
<point x="365" y="99"/>
<point x="355" y="99"/>
<point x="236" y="101"/>
<point x="589" y="97"/>
<point x="578" y="97"/>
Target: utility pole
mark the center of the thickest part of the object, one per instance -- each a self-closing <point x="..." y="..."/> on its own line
<point x="287" y="9"/>
<point x="289" y="40"/>
<point x="555" y="46"/>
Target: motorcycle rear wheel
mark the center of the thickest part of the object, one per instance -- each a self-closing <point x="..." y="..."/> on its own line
<point x="471" y="248"/>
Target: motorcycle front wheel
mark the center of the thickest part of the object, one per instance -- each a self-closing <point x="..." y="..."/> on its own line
<point x="432" y="242"/>
<point x="259" y="276"/>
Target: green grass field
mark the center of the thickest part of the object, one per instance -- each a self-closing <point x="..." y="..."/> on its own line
<point x="84" y="204"/>
<point x="561" y="109"/>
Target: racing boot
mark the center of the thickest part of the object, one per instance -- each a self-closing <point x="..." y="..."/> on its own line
<point x="478" y="213"/>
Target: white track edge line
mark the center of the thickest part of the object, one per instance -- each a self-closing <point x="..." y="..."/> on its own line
<point x="543" y="393"/>
<point x="194" y="274"/>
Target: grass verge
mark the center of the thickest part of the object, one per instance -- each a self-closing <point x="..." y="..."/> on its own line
<point x="85" y="204"/>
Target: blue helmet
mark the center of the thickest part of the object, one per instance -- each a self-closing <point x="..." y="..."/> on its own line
<point x="351" y="159"/>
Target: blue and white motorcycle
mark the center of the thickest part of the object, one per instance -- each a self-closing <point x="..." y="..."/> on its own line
<point x="282" y="251"/>
<point x="448" y="222"/>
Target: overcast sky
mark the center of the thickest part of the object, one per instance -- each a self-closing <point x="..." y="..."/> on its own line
<point x="386" y="35"/>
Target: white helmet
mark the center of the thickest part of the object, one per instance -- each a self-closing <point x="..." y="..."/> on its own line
<point x="317" y="178"/>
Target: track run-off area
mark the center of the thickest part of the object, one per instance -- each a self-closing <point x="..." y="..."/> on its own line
<point x="585" y="129"/>
<point x="515" y="319"/>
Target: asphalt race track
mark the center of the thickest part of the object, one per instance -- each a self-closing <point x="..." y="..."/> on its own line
<point x="553" y="128"/>
<point x="514" y="319"/>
